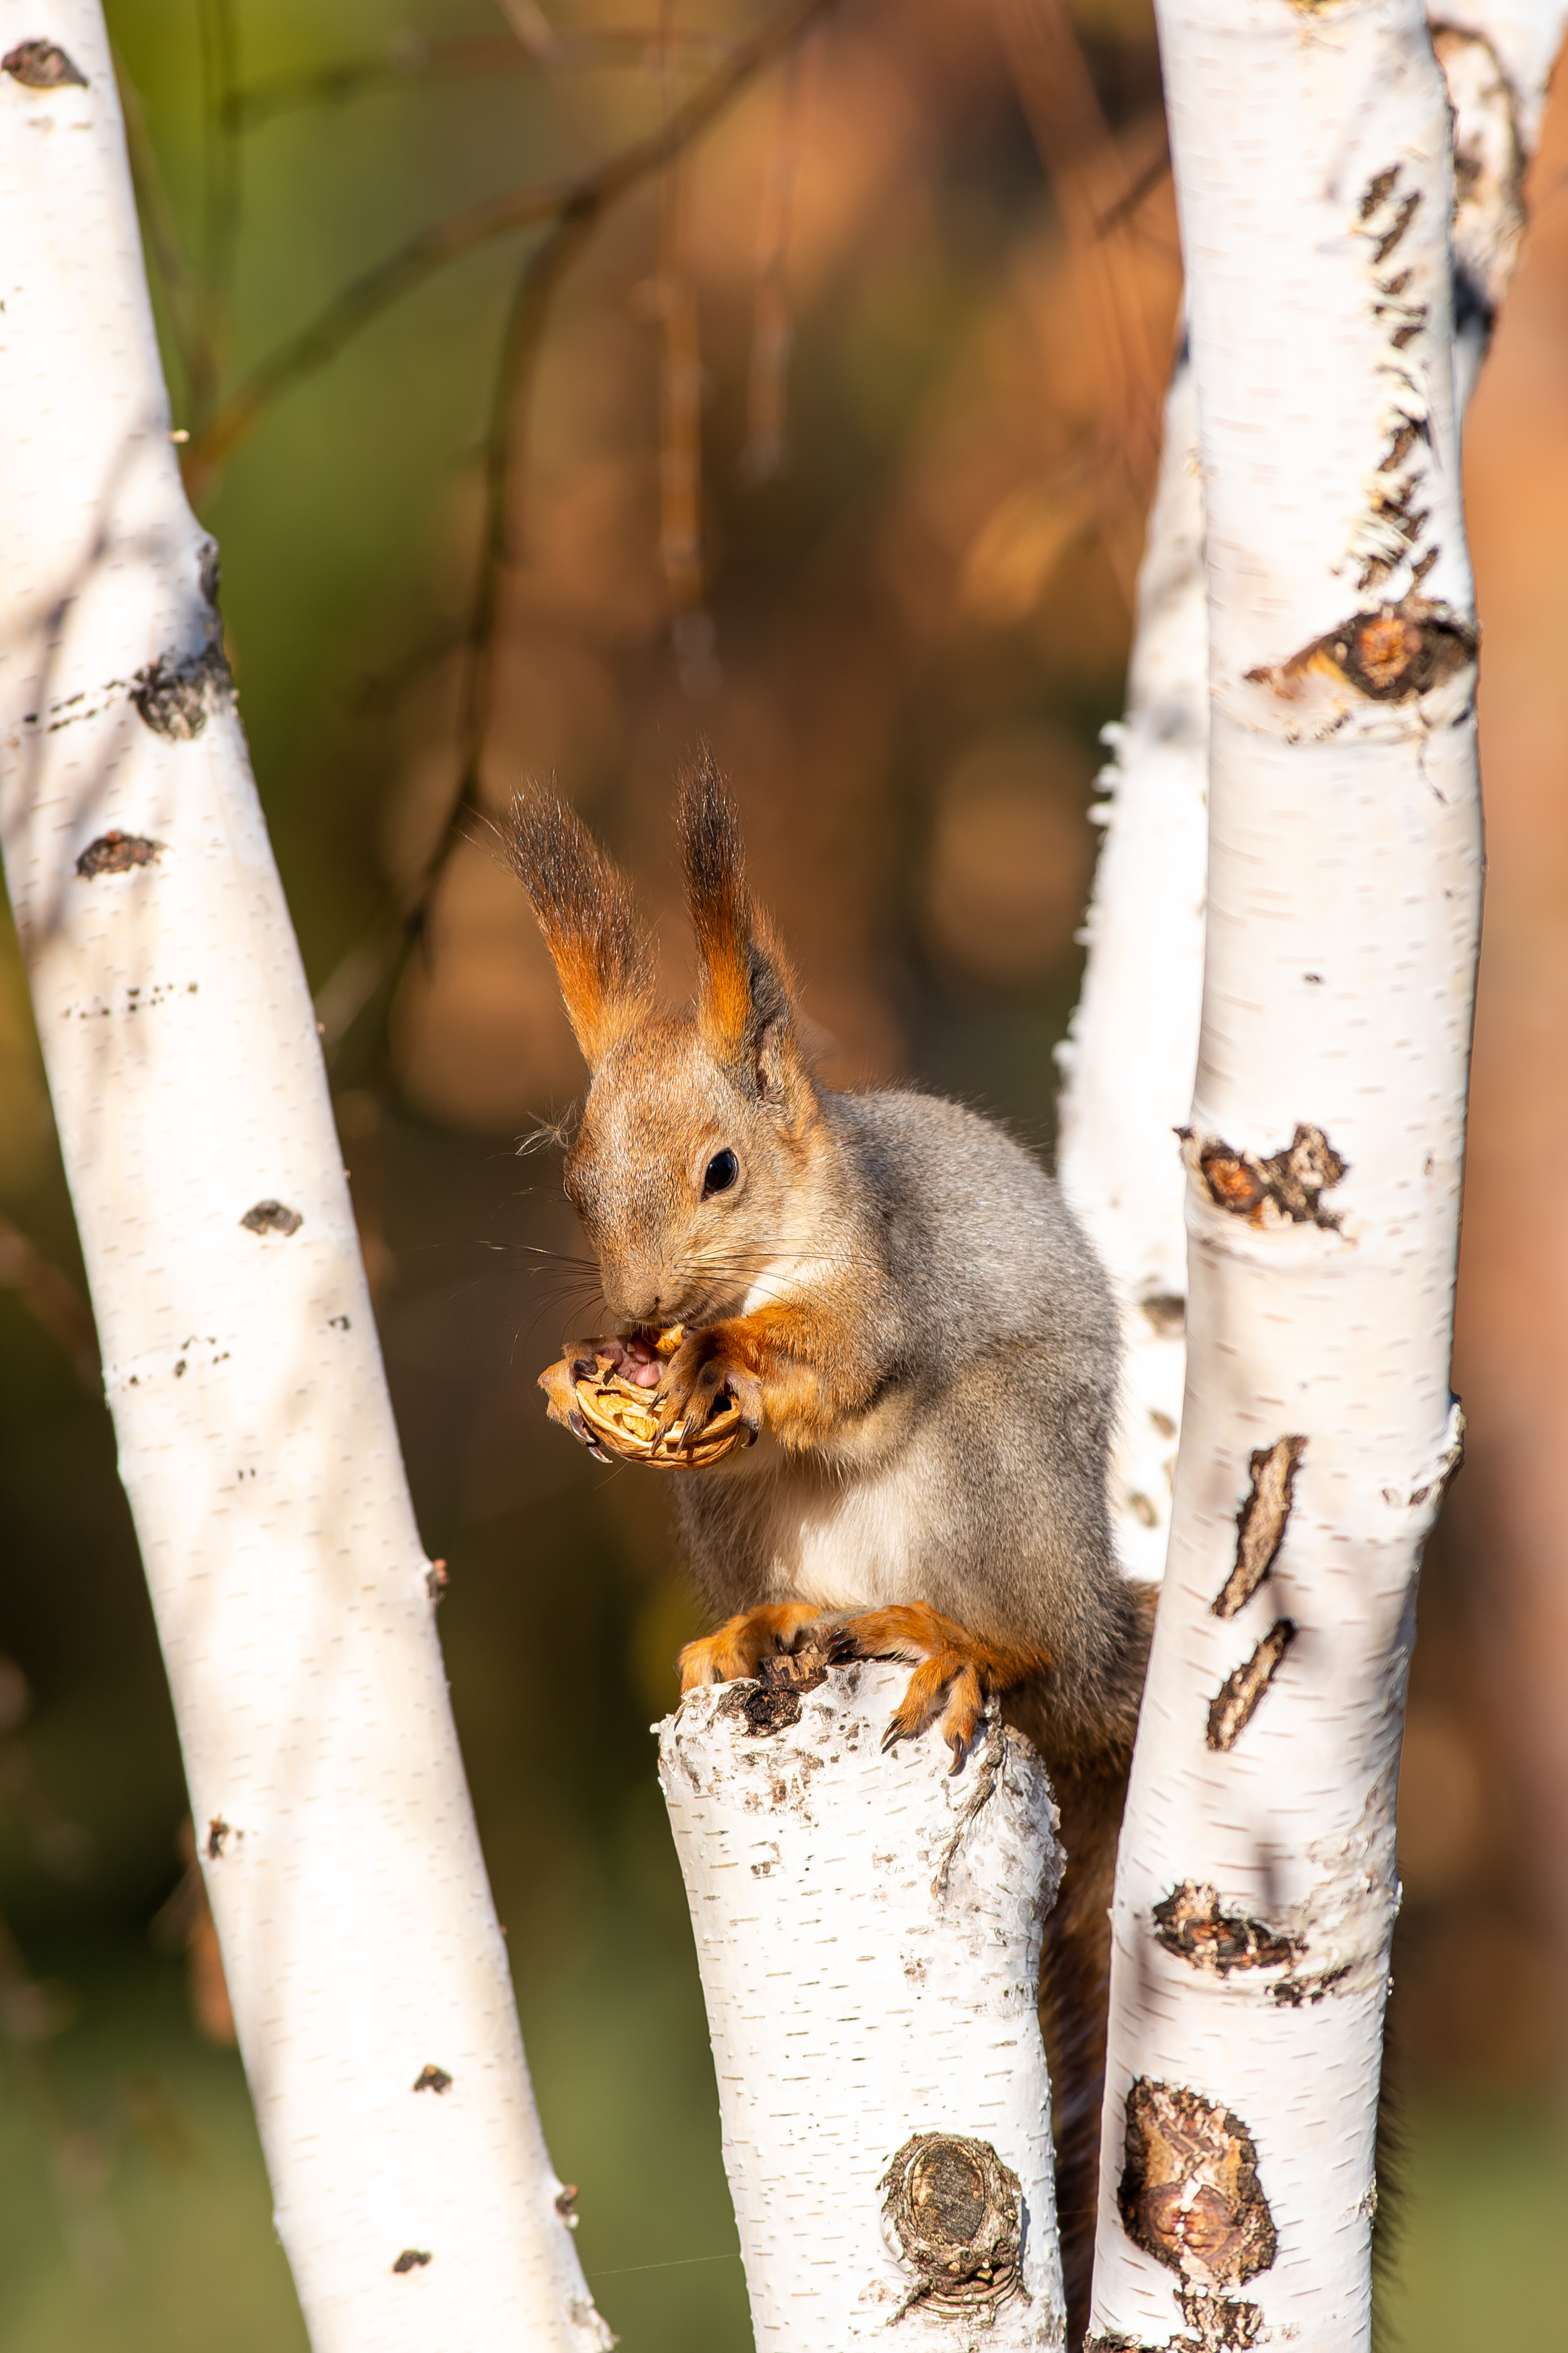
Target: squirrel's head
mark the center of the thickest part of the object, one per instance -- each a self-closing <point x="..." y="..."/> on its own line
<point x="699" y="1128"/>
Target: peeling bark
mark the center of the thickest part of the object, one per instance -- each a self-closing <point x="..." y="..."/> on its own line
<point x="1189" y="2194"/>
<point x="1126" y="1064"/>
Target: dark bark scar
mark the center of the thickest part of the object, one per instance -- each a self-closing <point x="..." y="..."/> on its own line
<point x="1190" y="1924"/>
<point x="117" y="853"/>
<point x="1189" y="2194"/>
<point x="1387" y="653"/>
<point x="1261" y="1522"/>
<point x="956" y="2212"/>
<point x="1236" y="1703"/>
<point x="42" y="65"/>
<point x="1283" y="1187"/>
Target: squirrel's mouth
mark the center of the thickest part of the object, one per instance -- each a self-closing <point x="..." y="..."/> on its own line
<point x="708" y="1302"/>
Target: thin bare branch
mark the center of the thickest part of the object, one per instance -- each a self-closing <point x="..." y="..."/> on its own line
<point x="1095" y="195"/>
<point x="494" y="57"/>
<point x="160" y="232"/>
<point x="369" y="964"/>
<point x="220" y="209"/>
<point x="52" y="1300"/>
<point x="584" y="200"/>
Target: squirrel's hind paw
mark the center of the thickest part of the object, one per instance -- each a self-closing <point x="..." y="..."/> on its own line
<point x="955" y="1671"/>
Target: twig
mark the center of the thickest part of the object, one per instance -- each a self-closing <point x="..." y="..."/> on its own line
<point x="221" y="210"/>
<point x="583" y="200"/>
<point x="1143" y="187"/>
<point x="52" y="1300"/>
<point x="764" y="455"/>
<point x="366" y="965"/>
<point x="158" y="225"/>
<point x="680" y="383"/>
<point x="413" y="59"/>
<point x="1084" y="165"/>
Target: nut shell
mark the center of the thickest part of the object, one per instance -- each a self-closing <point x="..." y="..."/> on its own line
<point x="621" y="1419"/>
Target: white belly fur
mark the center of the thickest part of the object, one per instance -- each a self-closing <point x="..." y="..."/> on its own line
<point x="856" y="1547"/>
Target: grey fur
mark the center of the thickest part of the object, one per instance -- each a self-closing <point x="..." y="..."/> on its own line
<point x="983" y="1455"/>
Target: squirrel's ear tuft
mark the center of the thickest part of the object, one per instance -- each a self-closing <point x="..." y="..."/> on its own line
<point x="746" y="990"/>
<point x="601" y="954"/>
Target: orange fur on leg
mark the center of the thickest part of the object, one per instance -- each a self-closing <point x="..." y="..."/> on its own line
<point x="735" y="1650"/>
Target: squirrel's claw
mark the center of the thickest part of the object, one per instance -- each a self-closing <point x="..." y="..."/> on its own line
<point x="580" y="1431"/>
<point x="735" y="1652"/>
<point x="697" y="1378"/>
<point x="955" y="1671"/>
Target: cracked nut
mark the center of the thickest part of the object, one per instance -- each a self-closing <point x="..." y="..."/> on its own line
<point x="614" y="1417"/>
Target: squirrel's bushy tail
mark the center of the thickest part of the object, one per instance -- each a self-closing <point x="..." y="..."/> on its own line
<point x="1075" y="1987"/>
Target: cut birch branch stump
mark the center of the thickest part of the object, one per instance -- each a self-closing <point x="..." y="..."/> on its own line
<point x="867" y="1929"/>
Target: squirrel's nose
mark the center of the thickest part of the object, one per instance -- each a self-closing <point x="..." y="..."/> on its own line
<point x="634" y="1303"/>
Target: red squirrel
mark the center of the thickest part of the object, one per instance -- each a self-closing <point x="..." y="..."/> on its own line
<point x="919" y="1338"/>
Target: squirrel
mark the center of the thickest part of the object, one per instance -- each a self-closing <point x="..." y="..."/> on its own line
<point x="914" y="1327"/>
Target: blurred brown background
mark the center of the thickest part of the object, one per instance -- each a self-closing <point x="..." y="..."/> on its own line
<point x="828" y="444"/>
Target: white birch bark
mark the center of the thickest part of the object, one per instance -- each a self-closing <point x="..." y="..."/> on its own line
<point x="868" y="1932"/>
<point x="1255" y="1891"/>
<point x="1128" y="1062"/>
<point x="256" y="1437"/>
<point x="1128" y="1059"/>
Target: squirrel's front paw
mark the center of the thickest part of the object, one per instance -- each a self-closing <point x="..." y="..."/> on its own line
<point x="630" y="1354"/>
<point x="742" y="1643"/>
<point x="703" y="1368"/>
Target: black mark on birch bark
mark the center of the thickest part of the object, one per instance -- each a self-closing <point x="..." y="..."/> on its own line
<point x="1261" y="1522"/>
<point x="1388" y="653"/>
<point x="1189" y="2194"/>
<point x="566" y="2203"/>
<point x="271" y="1218"/>
<point x="1166" y="1312"/>
<point x="954" y="2212"/>
<point x="773" y="1701"/>
<point x="1190" y="1924"/>
<point x="432" y="2079"/>
<point x="1219" y="2324"/>
<point x="218" y="1832"/>
<point x="1236" y="1704"/>
<point x="41" y="65"/>
<point x="412" y="2259"/>
<point x="437" y="1580"/>
<point x="116" y="854"/>
<point x="176" y="694"/>
<point x="1284" y="1188"/>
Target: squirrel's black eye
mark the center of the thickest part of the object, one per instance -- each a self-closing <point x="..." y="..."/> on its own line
<point x="719" y="1174"/>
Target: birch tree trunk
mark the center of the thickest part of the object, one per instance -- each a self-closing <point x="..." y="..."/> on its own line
<point x="1256" y="1889"/>
<point x="414" y="2192"/>
<point x="1129" y="1057"/>
<point x="1128" y="1062"/>
<point x="868" y="1932"/>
